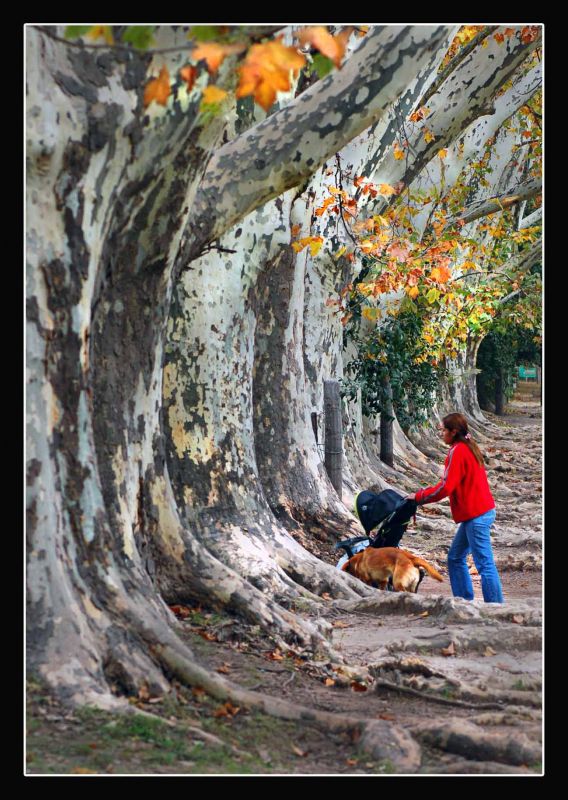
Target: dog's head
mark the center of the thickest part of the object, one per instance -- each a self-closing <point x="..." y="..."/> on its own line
<point x="352" y="565"/>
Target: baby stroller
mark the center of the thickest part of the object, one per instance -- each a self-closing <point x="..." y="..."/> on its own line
<point x="387" y="514"/>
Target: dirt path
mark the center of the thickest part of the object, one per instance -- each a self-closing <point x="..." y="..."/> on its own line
<point x="463" y="678"/>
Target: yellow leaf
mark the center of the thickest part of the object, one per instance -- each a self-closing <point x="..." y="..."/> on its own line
<point x="398" y="152"/>
<point x="441" y="274"/>
<point x="214" y="54"/>
<point x="443" y="152"/>
<point x="370" y="313"/>
<point x="101" y="30"/>
<point x="212" y="95"/>
<point x="412" y="291"/>
<point x="386" y="190"/>
<point x="158" y="89"/>
<point x="315" y="245"/>
<point x="266" y="70"/>
<point x="428" y="136"/>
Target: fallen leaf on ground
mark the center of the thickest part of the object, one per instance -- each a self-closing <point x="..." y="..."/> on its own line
<point x="180" y="611"/>
<point x="358" y="687"/>
<point x="387" y="716"/>
<point x="329" y="682"/>
<point x="339" y="624"/>
<point x="518" y="619"/>
<point x="351" y="762"/>
<point x="326" y="596"/>
<point x="301" y="753"/>
<point x="207" y="635"/>
<point x="227" y="710"/>
<point x="450" y="650"/>
<point x="83" y="771"/>
<point x="275" y="655"/>
<point x="489" y="651"/>
<point x="224" y="668"/>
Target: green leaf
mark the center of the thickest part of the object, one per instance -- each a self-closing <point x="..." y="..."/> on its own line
<point x="74" y="31"/>
<point x="140" y="36"/>
<point x="432" y="295"/>
<point x="204" y="33"/>
<point x="322" y="65"/>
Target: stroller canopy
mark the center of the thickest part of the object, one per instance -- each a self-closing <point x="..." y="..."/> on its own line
<point x="372" y="509"/>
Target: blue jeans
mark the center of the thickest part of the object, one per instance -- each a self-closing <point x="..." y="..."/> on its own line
<point x="474" y="536"/>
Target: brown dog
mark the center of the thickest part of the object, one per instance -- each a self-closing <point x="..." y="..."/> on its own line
<point x="376" y="565"/>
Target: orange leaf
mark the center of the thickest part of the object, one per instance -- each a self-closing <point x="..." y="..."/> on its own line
<point x="224" y="668"/>
<point x="331" y="46"/>
<point x="326" y="596"/>
<point x="296" y="229"/>
<point x="358" y="687"/>
<point x="499" y="37"/>
<point x="387" y="716"/>
<point x="450" y="650"/>
<point x="441" y="274"/>
<point x="214" y="54"/>
<point x="386" y="190"/>
<point x="158" y="89"/>
<point x="189" y="75"/>
<point x="329" y="682"/>
<point x="181" y="611"/>
<point x="266" y="70"/>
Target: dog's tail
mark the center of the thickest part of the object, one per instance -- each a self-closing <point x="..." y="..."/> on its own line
<point x="419" y="562"/>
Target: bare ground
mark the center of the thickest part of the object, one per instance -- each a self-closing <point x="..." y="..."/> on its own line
<point x="464" y="679"/>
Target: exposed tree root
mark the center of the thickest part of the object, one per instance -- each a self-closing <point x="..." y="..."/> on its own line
<point x="379" y="683"/>
<point x="384" y="741"/>
<point x="466" y="739"/>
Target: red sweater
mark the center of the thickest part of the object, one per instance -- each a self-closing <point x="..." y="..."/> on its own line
<point x="464" y="482"/>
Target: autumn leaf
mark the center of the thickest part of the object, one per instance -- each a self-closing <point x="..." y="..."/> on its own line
<point x="212" y="96"/>
<point x="529" y="34"/>
<point x="275" y="655"/>
<point x="331" y="46"/>
<point x="329" y="682"/>
<point x="101" y="31"/>
<point x="326" y="596"/>
<point x="301" y="753"/>
<point x="295" y="230"/>
<point x="224" y="669"/>
<point x="314" y="243"/>
<point x="398" y="151"/>
<point x="83" y="771"/>
<point x="351" y="762"/>
<point x="489" y="651"/>
<point x="158" y="89"/>
<point x="358" y="687"/>
<point x="386" y="190"/>
<point x="419" y="114"/>
<point x="266" y="70"/>
<point x="189" y="75"/>
<point x="499" y="38"/>
<point x="399" y="252"/>
<point x="450" y="650"/>
<point x="181" y="611"/>
<point x="226" y="710"/>
<point x="443" y="152"/>
<point x="214" y="54"/>
<point x="386" y="716"/>
<point x="518" y="619"/>
<point x="440" y="274"/>
<point x="412" y="291"/>
<point x="339" y="624"/>
<point x="210" y="637"/>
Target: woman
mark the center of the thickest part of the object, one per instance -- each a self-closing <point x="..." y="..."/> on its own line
<point x="471" y="502"/>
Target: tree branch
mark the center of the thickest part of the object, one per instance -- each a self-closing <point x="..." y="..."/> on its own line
<point x="291" y="144"/>
<point x="491" y="205"/>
